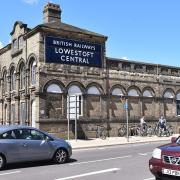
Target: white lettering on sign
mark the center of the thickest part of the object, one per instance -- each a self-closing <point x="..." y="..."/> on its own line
<point x="59" y="50"/>
<point x="70" y="55"/>
<point x="74" y="44"/>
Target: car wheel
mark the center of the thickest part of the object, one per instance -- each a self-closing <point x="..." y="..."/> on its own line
<point x="158" y="178"/>
<point x="2" y="161"/>
<point x="60" y="156"/>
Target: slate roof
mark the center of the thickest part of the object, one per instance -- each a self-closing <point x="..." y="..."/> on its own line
<point x="67" y="27"/>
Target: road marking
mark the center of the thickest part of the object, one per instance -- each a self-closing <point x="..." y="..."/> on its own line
<point x="140" y="144"/>
<point x="2" y="174"/>
<point x="90" y="174"/>
<point x="144" y="154"/>
<point x="86" y="162"/>
<point x="150" y="178"/>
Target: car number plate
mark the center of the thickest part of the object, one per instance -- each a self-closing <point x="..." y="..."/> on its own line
<point x="171" y="172"/>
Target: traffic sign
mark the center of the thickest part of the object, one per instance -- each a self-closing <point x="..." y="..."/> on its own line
<point x="126" y="105"/>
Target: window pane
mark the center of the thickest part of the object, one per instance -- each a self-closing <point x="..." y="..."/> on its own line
<point x="133" y="92"/>
<point x="12" y="80"/>
<point x="33" y="73"/>
<point x="74" y="90"/>
<point x="117" y="92"/>
<point x="36" y="135"/>
<point x="22" y="77"/>
<point x="54" y="88"/>
<point x="168" y="94"/>
<point x="147" y="93"/>
<point x="8" y="135"/>
<point x="93" y="90"/>
<point x="20" y="42"/>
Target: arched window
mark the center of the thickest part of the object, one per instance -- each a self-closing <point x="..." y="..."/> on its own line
<point x="178" y="104"/>
<point x="117" y="92"/>
<point x="93" y="90"/>
<point x="53" y="88"/>
<point x="147" y="93"/>
<point x="74" y="90"/>
<point x="4" y="82"/>
<point x="15" y="45"/>
<point x="20" y="42"/>
<point x="13" y="79"/>
<point x="133" y="92"/>
<point x="22" y="76"/>
<point x="33" y="72"/>
<point x="168" y="94"/>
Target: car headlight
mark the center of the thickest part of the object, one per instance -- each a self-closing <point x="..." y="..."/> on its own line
<point x="156" y="153"/>
<point x="68" y="143"/>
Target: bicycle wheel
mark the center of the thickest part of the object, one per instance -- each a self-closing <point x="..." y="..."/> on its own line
<point x="121" y="131"/>
<point x="171" y="131"/>
<point x="159" y="133"/>
<point x="167" y="133"/>
<point x="149" y="131"/>
<point x="138" y="131"/>
<point x="103" y="134"/>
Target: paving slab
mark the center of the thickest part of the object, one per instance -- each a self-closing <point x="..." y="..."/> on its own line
<point x="112" y="141"/>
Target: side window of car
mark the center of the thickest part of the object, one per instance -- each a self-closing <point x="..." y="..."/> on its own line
<point x="36" y="135"/>
<point x="8" y="135"/>
<point x="24" y="134"/>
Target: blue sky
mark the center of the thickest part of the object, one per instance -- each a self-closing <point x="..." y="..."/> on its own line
<point x="140" y="30"/>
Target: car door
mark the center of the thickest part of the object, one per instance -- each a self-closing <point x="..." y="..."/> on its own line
<point x="35" y="145"/>
<point x="10" y="147"/>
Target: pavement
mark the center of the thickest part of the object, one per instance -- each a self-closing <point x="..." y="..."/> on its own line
<point x="112" y="141"/>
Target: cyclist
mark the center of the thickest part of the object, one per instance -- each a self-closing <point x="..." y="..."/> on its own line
<point x="162" y="123"/>
<point x="143" y="123"/>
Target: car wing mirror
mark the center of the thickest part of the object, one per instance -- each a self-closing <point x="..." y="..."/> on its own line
<point x="173" y="139"/>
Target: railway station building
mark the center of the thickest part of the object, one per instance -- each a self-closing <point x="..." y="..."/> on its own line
<point x="55" y="73"/>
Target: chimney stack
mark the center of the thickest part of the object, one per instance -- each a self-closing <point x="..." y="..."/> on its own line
<point x="52" y="13"/>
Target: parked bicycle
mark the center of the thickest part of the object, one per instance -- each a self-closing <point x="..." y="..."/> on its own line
<point x="122" y="131"/>
<point x="101" y="132"/>
<point x="170" y="129"/>
<point x="163" y="132"/>
<point x="144" y="131"/>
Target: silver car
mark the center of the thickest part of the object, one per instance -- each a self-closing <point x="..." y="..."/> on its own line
<point x="23" y="143"/>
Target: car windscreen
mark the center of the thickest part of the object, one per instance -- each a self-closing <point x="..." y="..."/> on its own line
<point x="178" y="140"/>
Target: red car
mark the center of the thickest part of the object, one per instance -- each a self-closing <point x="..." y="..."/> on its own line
<point x="165" y="161"/>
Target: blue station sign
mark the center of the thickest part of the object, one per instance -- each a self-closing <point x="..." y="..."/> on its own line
<point x="67" y="51"/>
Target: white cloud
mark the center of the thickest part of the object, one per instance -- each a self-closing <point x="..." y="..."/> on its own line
<point x="125" y="58"/>
<point x="31" y="2"/>
<point x="1" y="45"/>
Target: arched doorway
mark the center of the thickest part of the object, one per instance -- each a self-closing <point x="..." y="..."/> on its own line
<point x="74" y="102"/>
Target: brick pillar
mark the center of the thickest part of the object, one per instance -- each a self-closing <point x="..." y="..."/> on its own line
<point x="84" y="106"/>
<point x="27" y="101"/>
<point x="64" y="105"/>
<point x="8" y="110"/>
<point x="141" y="101"/>
<point x="17" y="104"/>
<point x="1" y="111"/>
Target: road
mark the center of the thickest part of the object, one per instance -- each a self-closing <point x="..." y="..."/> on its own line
<point x="124" y="162"/>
